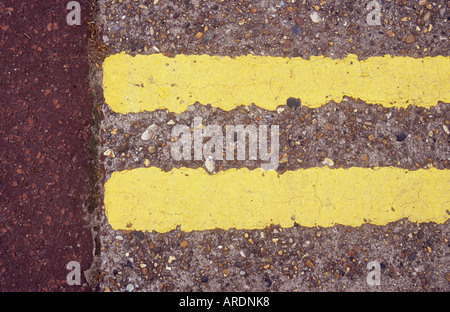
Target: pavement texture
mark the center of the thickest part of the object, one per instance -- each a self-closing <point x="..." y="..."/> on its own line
<point x="61" y="142"/>
<point x="45" y="115"/>
<point x="351" y="133"/>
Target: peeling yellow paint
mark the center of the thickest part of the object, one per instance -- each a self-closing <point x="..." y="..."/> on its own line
<point x="150" y="82"/>
<point x="149" y="199"/>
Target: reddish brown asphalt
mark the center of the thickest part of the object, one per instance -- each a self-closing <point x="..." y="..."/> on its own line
<point x="45" y="114"/>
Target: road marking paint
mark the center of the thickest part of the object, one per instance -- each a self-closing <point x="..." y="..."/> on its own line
<point x="151" y="82"/>
<point x="149" y="199"/>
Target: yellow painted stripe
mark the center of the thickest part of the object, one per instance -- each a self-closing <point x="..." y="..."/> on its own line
<point x="149" y="199"/>
<point x="150" y="82"/>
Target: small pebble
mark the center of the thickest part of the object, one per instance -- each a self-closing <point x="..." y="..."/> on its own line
<point x="128" y="264"/>
<point x="328" y="162"/>
<point x="299" y="21"/>
<point x="109" y="153"/>
<point x="296" y="30"/>
<point x="280" y="110"/>
<point x="315" y="17"/>
<point x="171" y="259"/>
<point x="209" y="164"/>
<point x="293" y="102"/>
<point x="130" y="287"/>
<point x="410" y="39"/>
<point x="152" y="149"/>
<point x="147" y="135"/>
<point x="207" y="38"/>
<point x="400" y="137"/>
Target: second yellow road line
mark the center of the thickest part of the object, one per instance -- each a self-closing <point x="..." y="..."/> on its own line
<point x="150" y="82"/>
<point x="149" y="199"/>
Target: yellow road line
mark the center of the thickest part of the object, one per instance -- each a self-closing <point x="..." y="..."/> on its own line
<point x="150" y="82"/>
<point x="149" y="199"/>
